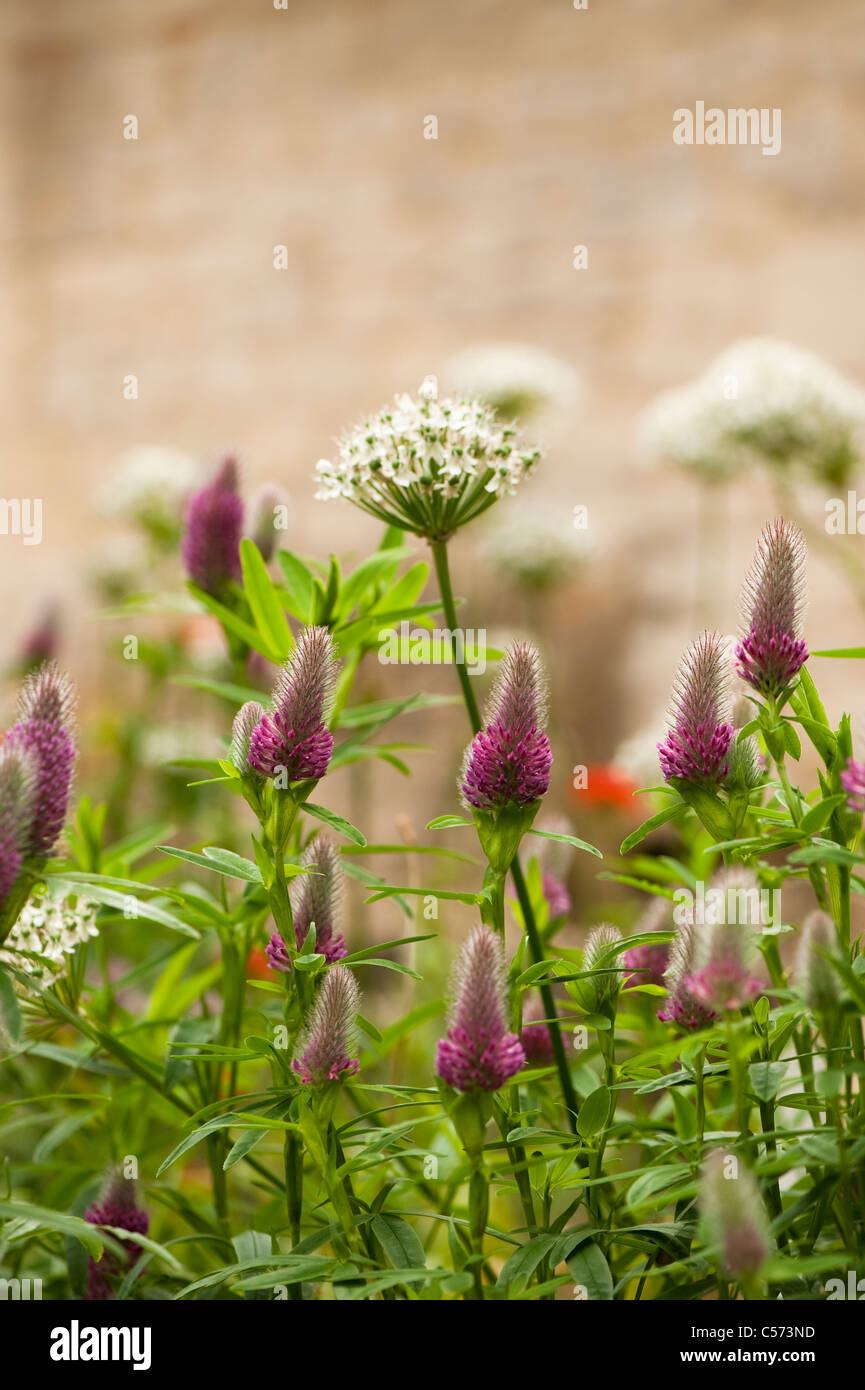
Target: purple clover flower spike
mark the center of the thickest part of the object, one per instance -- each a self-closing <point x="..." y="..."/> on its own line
<point x="45" y="732"/>
<point x="18" y="776"/>
<point x="245" y="721"/>
<point x="479" y="1053"/>
<point x="733" y="1212"/>
<point x="508" y="763"/>
<point x="277" y="954"/>
<point x="682" y="1007"/>
<point x="537" y="1044"/>
<point x="214" y="526"/>
<point x="725" y="943"/>
<point x="772" y="651"/>
<point x="293" y="739"/>
<point x="557" y="896"/>
<point x="324" y="1047"/>
<point x="316" y="897"/>
<point x="698" y="740"/>
<point x="116" y="1206"/>
<point x="853" y="782"/>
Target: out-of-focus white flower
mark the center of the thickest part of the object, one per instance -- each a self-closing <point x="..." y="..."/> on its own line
<point x="151" y="483"/>
<point x="761" y="401"/>
<point x="166" y="744"/>
<point x="52" y="928"/>
<point x="637" y="755"/>
<point x="515" y="378"/>
<point x="537" y="544"/>
<point x="427" y="465"/>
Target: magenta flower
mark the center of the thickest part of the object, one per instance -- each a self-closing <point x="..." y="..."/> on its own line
<point x="45" y="731"/>
<point x="479" y="1052"/>
<point x="733" y="1212"/>
<point x="324" y="1045"/>
<point x="18" y="777"/>
<point x="316" y="897"/>
<point x="535" y="1036"/>
<point x="698" y="739"/>
<point x="293" y="740"/>
<point x="557" y="896"/>
<point x="853" y="782"/>
<point x="648" y="964"/>
<point x="508" y="763"/>
<point x="682" y="1006"/>
<point x="772" y="651"/>
<point x="116" y="1207"/>
<point x="214" y="526"/>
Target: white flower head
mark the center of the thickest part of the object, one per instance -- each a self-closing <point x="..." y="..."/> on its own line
<point x="427" y="465"/>
<point x="49" y="930"/>
<point x="761" y="401"/>
<point x="537" y="544"/>
<point x="151" y="482"/>
<point x="515" y="378"/>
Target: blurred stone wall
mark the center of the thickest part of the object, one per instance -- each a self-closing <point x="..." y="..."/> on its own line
<point x="304" y="127"/>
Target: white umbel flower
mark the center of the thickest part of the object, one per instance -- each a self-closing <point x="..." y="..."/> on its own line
<point x="762" y="400"/>
<point x="537" y="544"/>
<point x="427" y="466"/>
<point x="515" y="378"/>
<point x="152" y="480"/>
<point x="50" y="928"/>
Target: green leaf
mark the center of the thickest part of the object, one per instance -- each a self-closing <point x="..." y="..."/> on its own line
<point x="669" y="813"/>
<point x="299" y="586"/>
<point x="10" y="1014"/>
<point x="219" y="861"/>
<point x="338" y="823"/>
<point x="590" y="1271"/>
<point x="593" y="1113"/>
<point x="766" y="1078"/>
<point x="519" y="1267"/>
<point x="448" y="822"/>
<point x="567" y="840"/>
<point x="93" y="1238"/>
<point x="398" y="1241"/>
<point x="264" y="602"/>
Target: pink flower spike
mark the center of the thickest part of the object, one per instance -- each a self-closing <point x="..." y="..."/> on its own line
<point x="479" y="1052"/>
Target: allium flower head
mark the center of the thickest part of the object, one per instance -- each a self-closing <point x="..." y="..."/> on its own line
<point x="731" y="1207"/>
<point x="316" y="897"/>
<point x="535" y="1036"/>
<point x="698" y="739"/>
<point x="214" y="525"/>
<point x="117" y="1206"/>
<point x="245" y="721"/>
<point x="294" y="738"/>
<point x="771" y="651"/>
<point x="515" y="378"/>
<point x="19" y="772"/>
<point x="45" y="730"/>
<point x="47" y="931"/>
<point x="425" y="465"/>
<point x="479" y="1052"/>
<point x="814" y="973"/>
<point x="508" y="763"/>
<point x="853" y="782"/>
<point x="323" y="1050"/>
<point x="682" y="1005"/>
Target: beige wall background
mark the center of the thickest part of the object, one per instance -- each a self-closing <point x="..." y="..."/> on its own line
<point x="304" y="127"/>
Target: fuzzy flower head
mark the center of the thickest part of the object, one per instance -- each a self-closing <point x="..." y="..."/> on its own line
<point x="682" y="1006"/>
<point x="293" y="739"/>
<point x="117" y="1206"/>
<point x="323" y="1050"/>
<point x="245" y="721"/>
<point x="425" y="465"/>
<point x="214" y="525"/>
<point x="45" y="732"/>
<point x="508" y="763"/>
<point x="535" y="1036"/>
<point x="19" y="772"/>
<point x="599" y="954"/>
<point x="316" y="900"/>
<point x="479" y="1052"/>
<point x="698" y="737"/>
<point x="733" y="1212"/>
<point x="771" y="651"/>
<point x="649" y="963"/>
<point x="853" y="782"/>
<point x="726" y="929"/>
<point x="814" y="973"/>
